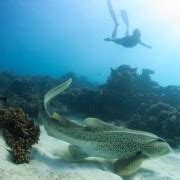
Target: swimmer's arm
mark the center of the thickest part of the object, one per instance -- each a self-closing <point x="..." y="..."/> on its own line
<point x="145" y="45"/>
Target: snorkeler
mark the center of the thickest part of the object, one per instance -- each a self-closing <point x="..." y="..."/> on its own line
<point x="128" y="41"/>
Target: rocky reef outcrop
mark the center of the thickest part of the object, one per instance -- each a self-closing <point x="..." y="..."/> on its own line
<point x="27" y="92"/>
<point x="161" y="119"/>
<point x="120" y="97"/>
<point x="19" y="132"/>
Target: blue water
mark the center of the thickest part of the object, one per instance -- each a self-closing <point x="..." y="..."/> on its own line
<point x="57" y="36"/>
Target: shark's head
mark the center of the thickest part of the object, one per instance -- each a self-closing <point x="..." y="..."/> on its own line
<point x="156" y="147"/>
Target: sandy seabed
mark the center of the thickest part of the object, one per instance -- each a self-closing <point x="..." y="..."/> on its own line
<point x="51" y="161"/>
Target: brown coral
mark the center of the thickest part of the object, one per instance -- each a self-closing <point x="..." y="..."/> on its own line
<point x="20" y="133"/>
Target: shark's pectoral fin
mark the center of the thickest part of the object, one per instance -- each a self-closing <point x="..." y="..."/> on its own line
<point x="125" y="167"/>
<point x="76" y="152"/>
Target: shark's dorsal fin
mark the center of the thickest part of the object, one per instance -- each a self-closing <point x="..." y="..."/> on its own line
<point x="99" y="125"/>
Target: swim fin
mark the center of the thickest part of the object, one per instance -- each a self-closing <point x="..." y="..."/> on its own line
<point x="124" y="17"/>
<point x="111" y="11"/>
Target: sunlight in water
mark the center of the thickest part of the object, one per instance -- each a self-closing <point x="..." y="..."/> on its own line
<point x="168" y="10"/>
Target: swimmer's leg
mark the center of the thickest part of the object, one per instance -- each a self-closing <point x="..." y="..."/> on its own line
<point x="115" y="40"/>
<point x="114" y="18"/>
<point x="127" y="32"/>
<point x="114" y="34"/>
<point x="108" y="39"/>
<point x="125" y="18"/>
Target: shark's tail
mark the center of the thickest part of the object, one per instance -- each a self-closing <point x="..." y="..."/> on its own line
<point x="56" y="125"/>
<point x="56" y="91"/>
<point x="55" y="120"/>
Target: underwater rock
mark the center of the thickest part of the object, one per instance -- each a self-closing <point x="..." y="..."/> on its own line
<point x="6" y="78"/>
<point x="120" y="97"/>
<point x="27" y="92"/>
<point x="122" y="79"/>
<point x="20" y="133"/>
<point x="161" y="119"/>
<point x="171" y="95"/>
<point x="136" y="122"/>
<point x="3" y="98"/>
<point x="145" y="84"/>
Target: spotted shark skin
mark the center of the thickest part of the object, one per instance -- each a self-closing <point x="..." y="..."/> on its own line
<point x="95" y="138"/>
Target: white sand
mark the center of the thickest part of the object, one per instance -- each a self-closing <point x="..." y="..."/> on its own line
<point x="51" y="161"/>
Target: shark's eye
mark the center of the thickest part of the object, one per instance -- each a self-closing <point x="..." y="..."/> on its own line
<point x="160" y="140"/>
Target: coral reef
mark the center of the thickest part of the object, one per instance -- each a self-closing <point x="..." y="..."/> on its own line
<point x="161" y="119"/>
<point x="128" y="97"/>
<point x="120" y="97"/>
<point x="20" y="133"/>
<point x="27" y="92"/>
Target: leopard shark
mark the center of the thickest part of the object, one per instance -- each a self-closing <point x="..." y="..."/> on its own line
<point x="95" y="138"/>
